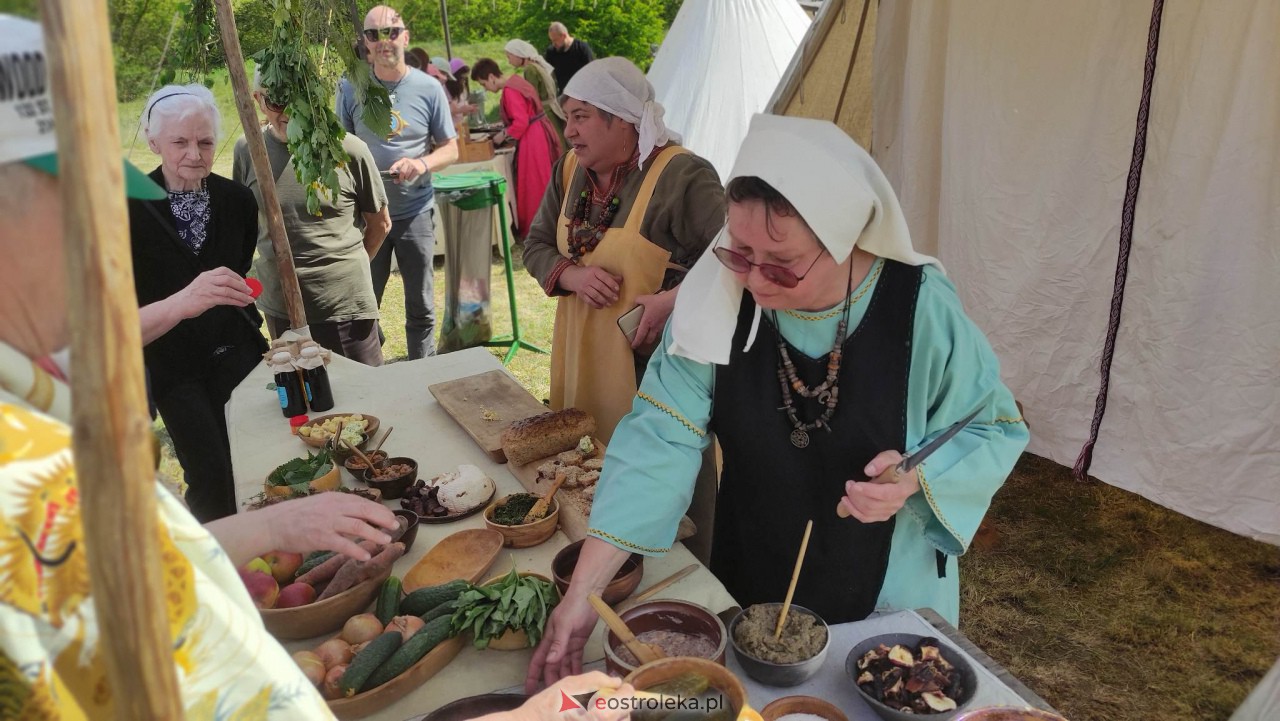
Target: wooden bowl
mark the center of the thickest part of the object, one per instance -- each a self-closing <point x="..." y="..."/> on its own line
<point x="330" y="481"/>
<point x="779" y="674"/>
<point x="524" y="535"/>
<point x="624" y="583"/>
<point x="1009" y="713"/>
<point x="393" y="488"/>
<point x="369" y="430"/>
<point x="376" y="699"/>
<point x="357" y="468"/>
<point x="722" y="679"/>
<point x="471" y="707"/>
<point x="411" y="531"/>
<point x="787" y="705"/>
<point x="513" y="639"/>
<point x="321" y="617"/>
<point x="466" y="554"/>
<point x="666" y="615"/>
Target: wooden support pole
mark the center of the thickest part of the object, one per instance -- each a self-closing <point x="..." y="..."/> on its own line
<point x="261" y="164"/>
<point x="111" y="440"/>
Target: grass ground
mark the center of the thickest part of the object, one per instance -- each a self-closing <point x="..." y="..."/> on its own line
<point x="1107" y="605"/>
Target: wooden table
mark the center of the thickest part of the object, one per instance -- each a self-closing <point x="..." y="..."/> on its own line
<point x="397" y="394"/>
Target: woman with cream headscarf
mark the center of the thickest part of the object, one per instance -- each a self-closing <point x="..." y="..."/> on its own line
<point x="627" y="211"/>
<point x="535" y="69"/>
<point x="848" y="349"/>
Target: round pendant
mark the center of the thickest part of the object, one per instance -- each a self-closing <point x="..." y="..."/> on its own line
<point x="799" y="438"/>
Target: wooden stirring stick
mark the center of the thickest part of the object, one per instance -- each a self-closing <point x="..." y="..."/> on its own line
<point x="540" y="508"/>
<point x="367" y="463"/>
<point x="795" y="576"/>
<point x="660" y="585"/>
<point x="644" y="652"/>
<point x="378" y="447"/>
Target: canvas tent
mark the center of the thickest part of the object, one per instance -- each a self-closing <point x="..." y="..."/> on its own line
<point x="1008" y="129"/>
<point x="719" y="65"/>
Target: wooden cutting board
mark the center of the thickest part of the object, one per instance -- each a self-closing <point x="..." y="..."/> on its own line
<point x="484" y="405"/>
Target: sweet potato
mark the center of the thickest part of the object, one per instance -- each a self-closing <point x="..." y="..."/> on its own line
<point x="327" y="570"/>
<point x="354" y="572"/>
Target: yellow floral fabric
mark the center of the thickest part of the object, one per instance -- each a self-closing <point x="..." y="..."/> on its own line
<point x="229" y="667"/>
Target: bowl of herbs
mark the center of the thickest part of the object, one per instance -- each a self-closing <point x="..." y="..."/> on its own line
<point x="315" y="472"/>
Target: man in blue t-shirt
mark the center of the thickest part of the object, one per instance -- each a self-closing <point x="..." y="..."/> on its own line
<point x="419" y="120"/>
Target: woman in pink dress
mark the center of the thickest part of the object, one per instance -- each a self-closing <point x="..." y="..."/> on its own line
<point x="537" y="143"/>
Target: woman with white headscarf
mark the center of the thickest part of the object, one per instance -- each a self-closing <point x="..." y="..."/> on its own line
<point x="627" y="211"/>
<point x="539" y="73"/>
<point x="847" y="349"/>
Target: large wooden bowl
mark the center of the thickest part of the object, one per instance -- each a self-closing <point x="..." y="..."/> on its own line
<point x="321" y="617"/>
<point x="318" y="443"/>
<point x="466" y="554"/>
<point x="524" y="535"/>
<point x="788" y="705"/>
<point x="722" y="679"/>
<point x="376" y="699"/>
<point x="330" y="481"/>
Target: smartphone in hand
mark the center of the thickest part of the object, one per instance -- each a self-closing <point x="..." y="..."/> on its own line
<point x="389" y="175"/>
<point x="629" y="322"/>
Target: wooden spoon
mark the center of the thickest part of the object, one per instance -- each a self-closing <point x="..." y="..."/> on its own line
<point x="644" y="652"/>
<point x="367" y="463"/>
<point x="540" y="508"/>
<point x="378" y="447"/>
<point x="795" y="576"/>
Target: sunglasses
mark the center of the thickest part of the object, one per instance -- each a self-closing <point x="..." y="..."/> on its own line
<point x="775" y="274"/>
<point x="273" y="106"/>
<point x="372" y="34"/>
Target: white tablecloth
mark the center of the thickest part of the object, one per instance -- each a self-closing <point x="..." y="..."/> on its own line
<point x="397" y="394"/>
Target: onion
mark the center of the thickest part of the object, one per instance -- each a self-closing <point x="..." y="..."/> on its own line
<point x="312" y="666"/>
<point x="406" y="626"/>
<point x="335" y="652"/>
<point x="330" y="689"/>
<point x="362" y="628"/>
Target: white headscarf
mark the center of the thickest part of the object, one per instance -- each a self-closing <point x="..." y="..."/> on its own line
<point x="616" y="86"/>
<point x="525" y="49"/>
<point x="839" y="191"/>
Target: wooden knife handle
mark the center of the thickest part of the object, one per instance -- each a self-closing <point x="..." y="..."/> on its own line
<point x="890" y="475"/>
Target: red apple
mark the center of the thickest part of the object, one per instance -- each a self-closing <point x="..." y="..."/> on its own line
<point x="263" y="589"/>
<point x="296" y="594"/>
<point x="283" y="565"/>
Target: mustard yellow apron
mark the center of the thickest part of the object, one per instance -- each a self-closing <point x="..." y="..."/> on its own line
<point x="592" y="364"/>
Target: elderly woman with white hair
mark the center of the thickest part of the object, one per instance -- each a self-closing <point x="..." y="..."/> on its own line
<point x="820" y="347"/>
<point x="538" y="72"/>
<point x="190" y="254"/>
<point x="627" y="212"/>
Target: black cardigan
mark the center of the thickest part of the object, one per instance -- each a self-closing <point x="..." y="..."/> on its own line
<point x="163" y="265"/>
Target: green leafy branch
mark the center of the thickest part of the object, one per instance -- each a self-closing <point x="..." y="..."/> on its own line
<point x="194" y="42"/>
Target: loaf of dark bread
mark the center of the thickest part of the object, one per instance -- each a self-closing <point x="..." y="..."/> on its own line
<point x="546" y="434"/>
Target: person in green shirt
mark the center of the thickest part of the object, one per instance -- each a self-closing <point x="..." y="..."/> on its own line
<point x="331" y="251"/>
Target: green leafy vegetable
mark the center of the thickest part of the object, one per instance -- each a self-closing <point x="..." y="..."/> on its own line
<point x="301" y="471"/>
<point x="514" y="603"/>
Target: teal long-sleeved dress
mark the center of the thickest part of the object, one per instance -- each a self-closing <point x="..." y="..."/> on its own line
<point x="656" y="450"/>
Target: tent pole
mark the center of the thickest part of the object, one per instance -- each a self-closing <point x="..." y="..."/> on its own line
<point x="444" y="23"/>
<point x="261" y="164"/>
<point x="111" y="438"/>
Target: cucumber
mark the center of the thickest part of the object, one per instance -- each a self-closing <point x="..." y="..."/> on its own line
<point x="388" y="600"/>
<point x="427" y="638"/>
<point x="445" y="609"/>
<point x="313" y="560"/>
<point x="369" y="659"/>
<point x="425" y="599"/>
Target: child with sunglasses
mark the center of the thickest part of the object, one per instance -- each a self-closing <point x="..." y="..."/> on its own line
<point x="819" y="347"/>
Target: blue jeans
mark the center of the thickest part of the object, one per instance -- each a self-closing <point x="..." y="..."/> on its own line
<point x="413" y="240"/>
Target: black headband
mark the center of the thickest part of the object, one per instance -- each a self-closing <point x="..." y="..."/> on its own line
<point x="162" y="97"/>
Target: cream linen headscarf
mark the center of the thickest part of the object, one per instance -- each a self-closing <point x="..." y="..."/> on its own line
<point x="838" y="190"/>
<point x="525" y="49"/>
<point x="616" y="86"/>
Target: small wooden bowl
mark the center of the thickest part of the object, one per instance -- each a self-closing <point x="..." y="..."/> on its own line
<point x="376" y="699"/>
<point x="321" y="617"/>
<point x="787" y="705"/>
<point x="527" y="534"/>
<point x="356" y="467"/>
<point x="722" y="679"/>
<point x="624" y="582"/>
<point x="330" y="481"/>
<point x="513" y="639"/>
<point x="393" y="488"/>
<point x="411" y="531"/>
<point x="319" y="443"/>
<point x="666" y="615"/>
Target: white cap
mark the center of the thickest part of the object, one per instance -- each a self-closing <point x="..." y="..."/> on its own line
<point x="310" y="351"/>
<point x="281" y="357"/>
